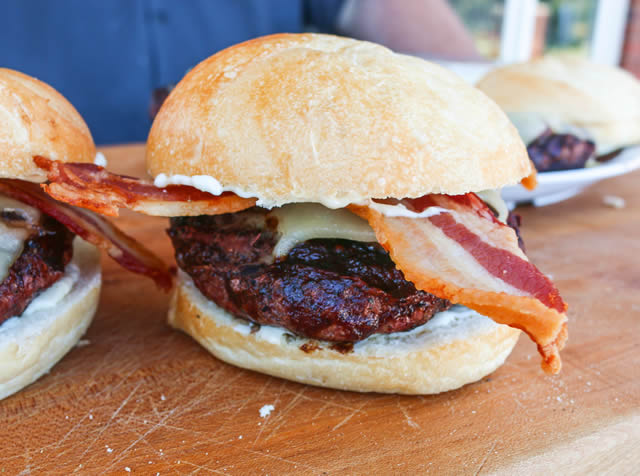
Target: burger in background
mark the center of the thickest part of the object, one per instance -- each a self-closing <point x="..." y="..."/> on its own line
<point x="570" y="112"/>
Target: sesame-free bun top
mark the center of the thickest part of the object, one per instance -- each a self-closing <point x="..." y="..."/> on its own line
<point x="319" y="118"/>
<point x="604" y="100"/>
<point x="37" y="120"/>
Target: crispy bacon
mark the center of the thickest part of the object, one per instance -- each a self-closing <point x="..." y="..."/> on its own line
<point x="465" y="255"/>
<point x="94" y="229"/>
<point x="92" y="187"/>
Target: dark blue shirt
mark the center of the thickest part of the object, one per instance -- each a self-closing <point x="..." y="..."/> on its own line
<point x="107" y="56"/>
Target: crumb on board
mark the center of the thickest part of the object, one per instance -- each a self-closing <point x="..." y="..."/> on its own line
<point x="162" y="397"/>
<point x="613" y="201"/>
<point x="266" y="410"/>
<point x="83" y="343"/>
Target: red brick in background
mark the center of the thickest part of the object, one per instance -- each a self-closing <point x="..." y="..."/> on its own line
<point x="631" y="48"/>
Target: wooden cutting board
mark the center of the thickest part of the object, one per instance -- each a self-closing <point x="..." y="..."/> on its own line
<point x="139" y="397"/>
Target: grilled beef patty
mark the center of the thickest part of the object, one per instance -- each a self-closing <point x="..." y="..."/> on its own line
<point x="41" y="263"/>
<point x="329" y="289"/>
<point x="551" y="151"/>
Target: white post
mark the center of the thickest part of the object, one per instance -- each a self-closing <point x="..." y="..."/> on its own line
<point x="608" y="31"/>
<point x="518" y="30"/>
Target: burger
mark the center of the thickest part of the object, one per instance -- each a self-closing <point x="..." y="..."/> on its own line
<point x="49" y="261"/>
<point x="335" y="217"/>
<point x="570" y="112"/>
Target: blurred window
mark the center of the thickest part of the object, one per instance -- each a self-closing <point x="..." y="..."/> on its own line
<point x="516" y="30"/>
<point x="483" y="18"/>
<point x="566" y="26"/>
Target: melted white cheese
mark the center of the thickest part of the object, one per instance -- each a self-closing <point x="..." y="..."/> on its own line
<point x="31" y="214"/>
<point x="12" y="237"/>
<point x="531" y="125"/>
<point x="11" y="243"/>
<point x="495" y="201"/>
<point x="299" y="222"/>
<point x="305" y="221"/>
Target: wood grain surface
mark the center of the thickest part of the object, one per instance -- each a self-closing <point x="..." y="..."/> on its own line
<point x="139" y="397"/>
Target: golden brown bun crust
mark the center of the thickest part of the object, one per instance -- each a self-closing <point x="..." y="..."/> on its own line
<point x="319" y="118"/>
<point x="602" y="99"/>
<point x="37" y="120"/>
<point x="444" y="357"/>
<point x="33" y="343"/>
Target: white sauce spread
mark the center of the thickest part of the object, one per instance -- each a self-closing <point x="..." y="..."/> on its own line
<point x="415" y="337"/>
<point x="56" y="292"/>
<point x="530" y="125"/>
<point x="100" y="160"/>
<point x="402" y="211"/>
<point x="204" y="183"/>
<point x="207" y="183"/>
<point x="456" y="323"/>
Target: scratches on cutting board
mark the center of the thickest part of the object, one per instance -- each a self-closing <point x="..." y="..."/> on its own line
<point x="407" y="417"/>
<point x="280" y="418"/>
<point x="200" y="467"/>
<point x="350" y="415"/>
<point x="133" y="445"/>
<point x="112" y="418"/>
<point x="486" y="458"/>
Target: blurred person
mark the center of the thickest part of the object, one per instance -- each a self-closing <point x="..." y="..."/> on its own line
<point x="108" y="56"/>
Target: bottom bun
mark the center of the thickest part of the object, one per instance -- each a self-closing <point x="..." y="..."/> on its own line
<point x="52" y="323"/>
<point x="454" y="348"/>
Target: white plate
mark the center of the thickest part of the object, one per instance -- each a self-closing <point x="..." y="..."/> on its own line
<point x="557" y="186"/>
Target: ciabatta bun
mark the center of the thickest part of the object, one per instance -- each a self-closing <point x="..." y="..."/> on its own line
<point x="37" y="120"/>
<point x="319" y="118"/>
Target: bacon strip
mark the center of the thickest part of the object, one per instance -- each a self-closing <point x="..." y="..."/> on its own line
<point x="94" y="229"/>
<point x="465" y="255"/>
<point x="92" y="187"/>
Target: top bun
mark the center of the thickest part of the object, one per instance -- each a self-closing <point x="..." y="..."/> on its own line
<point x="319" y="118"/>
<point x="604" y="100"/>
<point x="37" y="120"/>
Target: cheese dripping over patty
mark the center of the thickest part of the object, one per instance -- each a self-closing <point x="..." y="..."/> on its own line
<point x="300" y="222"/>
<point x="15" y="218"/>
